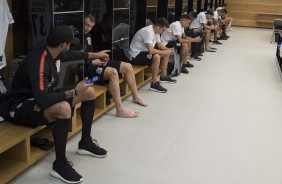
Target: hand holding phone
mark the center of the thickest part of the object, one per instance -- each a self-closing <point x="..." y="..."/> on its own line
<point x="92" y="80"/>
<point x="105" y="59"/>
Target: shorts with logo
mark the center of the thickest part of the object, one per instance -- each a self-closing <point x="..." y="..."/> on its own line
<point x="29" y="114"/>
<point x="94" y="70"/>
<point x="144" y="58"/>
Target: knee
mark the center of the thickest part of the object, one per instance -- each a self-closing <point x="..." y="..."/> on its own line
<point x="156" y="58"/>
<point x="112" y="72"/>
<point x="127" y="68"/>
<point x="90" y="94"/>
<point x="185" y="47"/>
<point x="63" y="110"/>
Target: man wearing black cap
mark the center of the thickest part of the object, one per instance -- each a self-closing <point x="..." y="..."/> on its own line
<point x="34" y="100"/>
<point x="201" y="23"/>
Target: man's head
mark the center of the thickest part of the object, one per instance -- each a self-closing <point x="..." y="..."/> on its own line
<point x="89" y="22"/>
<point x="223" y="13"/>
<point x="61" y="35"/>
<point x="161" y="25"/>
<point x="192" y="14"/>
<point x="209" y="14"/>
<point x="185" y="20"/>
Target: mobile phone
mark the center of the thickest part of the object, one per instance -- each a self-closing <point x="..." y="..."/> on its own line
<point x="105" y="59"/>
<point x="92" y="80"/>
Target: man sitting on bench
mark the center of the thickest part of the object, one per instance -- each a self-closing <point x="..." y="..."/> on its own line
<point x="201" y="23"/>
<point x="109" y="71"/>
<point x="146" y="49"/>
<point x="35" y="101"/>
<point x="174" y="37"/>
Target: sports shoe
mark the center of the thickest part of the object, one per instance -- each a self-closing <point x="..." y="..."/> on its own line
<point x="167" y="79"/>
<point x="195" y="58"/>
<point x="157" y="87"/>
<point x="91" y="147"/>
<point x="217" y="42"/>
<point x="188" y="65"/>
<point x="225" y="35"/>
<point x="222" y="37"/>
<point x="65" y="172"/>
<point x="184" y="70"/>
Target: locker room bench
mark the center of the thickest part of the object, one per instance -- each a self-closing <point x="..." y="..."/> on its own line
<point x="16" y="153"/>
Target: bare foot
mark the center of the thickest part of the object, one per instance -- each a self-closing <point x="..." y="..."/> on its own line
<point x="139" y="101"/>
<point x="124" y="113"/>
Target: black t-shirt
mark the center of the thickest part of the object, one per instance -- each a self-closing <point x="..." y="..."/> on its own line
<point x="38" y="75"/>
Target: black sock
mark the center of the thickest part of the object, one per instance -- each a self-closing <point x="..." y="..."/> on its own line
<point x="60" y="134"/>
<point x="87" y="113"/>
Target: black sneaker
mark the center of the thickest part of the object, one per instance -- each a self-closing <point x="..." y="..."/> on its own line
<point x="157" y="87"/>
<point x="225" y="35"/>
<point x="91" y="147"/>
<point x="195" y="58"/>
<point x="216" y="42"/>
<point x="184" y="70"/>
<point x="188" y="65"/>
<point x="167" y="79"/>
<point x="222" y="37"/>
<point x="65" y="172"/>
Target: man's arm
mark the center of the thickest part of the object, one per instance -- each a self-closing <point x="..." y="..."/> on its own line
<point x="78" y="55"/>
<point x="161" y="51"/>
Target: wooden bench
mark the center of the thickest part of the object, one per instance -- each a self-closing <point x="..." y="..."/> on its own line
<point x="16" y="153"/>
<point x="267" y="17"/>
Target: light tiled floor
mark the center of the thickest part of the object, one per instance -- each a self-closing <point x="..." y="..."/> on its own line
<point x="220" y="124"/>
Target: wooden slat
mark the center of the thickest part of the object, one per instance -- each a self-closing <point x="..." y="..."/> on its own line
<point x="11" y="134"/>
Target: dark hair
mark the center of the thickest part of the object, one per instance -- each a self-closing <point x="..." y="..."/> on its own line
<point x="224" y="11"/>
<point x="162" y="22"/>
<point x="91" y="17"/>
<point x="192" y="14"/>
<point x="185" y="16"/>
<point x="51" y="42"/>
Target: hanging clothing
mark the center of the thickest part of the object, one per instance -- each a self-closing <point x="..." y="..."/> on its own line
<point x="6" y="18"/>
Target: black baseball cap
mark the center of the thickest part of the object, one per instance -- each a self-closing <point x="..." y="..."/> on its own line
<point x="62" y="34"/>
<point x="210" y="12"/>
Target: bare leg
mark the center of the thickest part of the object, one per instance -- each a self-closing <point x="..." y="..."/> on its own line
<point x="112" y="75"/>
<point x="164" y="63"/>
<point x="215" y="34"/>
<point x="184" y="53"/>
<point x="207" y="38"/>
<point x="155" y="67"/>
<point x="126" y="68"/>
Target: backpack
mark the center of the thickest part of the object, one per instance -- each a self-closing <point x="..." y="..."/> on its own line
<point x="174" y="66"/>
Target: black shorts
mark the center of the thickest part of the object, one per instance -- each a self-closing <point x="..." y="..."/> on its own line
<point x="29" y="114"/>
<point x="143" y="59"/>
<point x="94" y="70"/>
<point x="176" y="45"/>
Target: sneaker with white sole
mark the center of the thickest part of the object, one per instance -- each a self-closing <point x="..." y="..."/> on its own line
<point x="167" y="79"/>
<point x="91" y="147"/>
<point x="64" y="171"/>
<point x="197" y="58"/>
<point x="157" y="88"/>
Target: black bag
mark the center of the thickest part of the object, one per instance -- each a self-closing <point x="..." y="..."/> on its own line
<point x="119" y="54"/>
